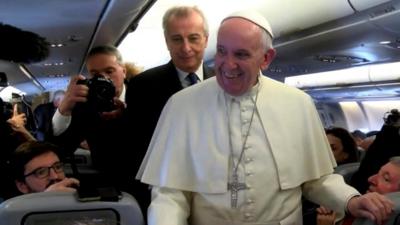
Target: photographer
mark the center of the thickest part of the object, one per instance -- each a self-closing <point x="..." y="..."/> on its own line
<point x="88" y="112"/>
<point x="385" y="146"/>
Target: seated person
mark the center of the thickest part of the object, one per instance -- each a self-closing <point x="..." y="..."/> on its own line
<point x="387" y="180"/>
<point x="44" y="113"/>
<point x="358" y="136"/>
<point x="385" y="146"/>
<point x="37" y="168"/>
<point x="343" y="146"/>
<point x="12" y="134"/>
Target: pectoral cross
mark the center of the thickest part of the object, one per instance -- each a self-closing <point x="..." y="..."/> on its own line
<point x="235" y="187"/>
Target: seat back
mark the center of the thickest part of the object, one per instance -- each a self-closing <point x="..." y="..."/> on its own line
<point x="64" y="209"/>
<point x="394" y="219"/>
<point x="347" y="170"/>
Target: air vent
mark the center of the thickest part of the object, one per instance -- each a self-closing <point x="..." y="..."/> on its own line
<point x="395" y="44"/>
<point x="340" y="59"/>
<point x="381" y="12"/>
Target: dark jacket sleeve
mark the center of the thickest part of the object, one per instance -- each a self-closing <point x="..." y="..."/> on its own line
<point x="385" y="146"/>
<point x="70" y="139"/>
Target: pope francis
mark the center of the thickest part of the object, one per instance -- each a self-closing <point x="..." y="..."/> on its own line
<point x="241" y="148"/>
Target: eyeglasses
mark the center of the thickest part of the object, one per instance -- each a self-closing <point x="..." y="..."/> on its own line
<point x="43" y="172"/>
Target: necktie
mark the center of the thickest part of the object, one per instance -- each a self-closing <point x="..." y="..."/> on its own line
<point x="192" y="78"/>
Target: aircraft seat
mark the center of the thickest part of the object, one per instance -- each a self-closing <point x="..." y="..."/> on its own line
<point x="347" y="170"/>
<point x="63" y="208"/>
<point x="394" y="219"/>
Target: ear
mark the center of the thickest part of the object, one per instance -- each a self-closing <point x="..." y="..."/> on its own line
<point x="124" y="70"/>
<point x="268" y="57"/>
<point x="22" y="187"/>
<point x="206" y="44"/>
<point x="166" y="41"/>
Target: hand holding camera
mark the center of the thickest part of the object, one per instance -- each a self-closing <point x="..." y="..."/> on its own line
<point x="100" y="97"/>
<point x="97" y="93"/>
<point x="119" y="107"/>
<point x="75" y="93"/>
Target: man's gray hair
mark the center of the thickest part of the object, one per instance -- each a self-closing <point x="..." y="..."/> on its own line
<point x="395" y="160"/>
<point x="57" y="93"/>
<point x="266" y="39"/>
<point x="182" y="12"/>
<point x="108" y="50"/>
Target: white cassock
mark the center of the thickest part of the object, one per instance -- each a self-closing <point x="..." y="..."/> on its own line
<point x="189" y="160"/>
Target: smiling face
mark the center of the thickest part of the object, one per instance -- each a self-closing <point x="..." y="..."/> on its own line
<point x="386" y="180"/>
<point x="240" y="55"/>
<point x="186" y="40"/>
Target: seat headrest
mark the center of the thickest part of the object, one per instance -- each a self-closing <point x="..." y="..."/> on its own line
<point x="61" y="207"/>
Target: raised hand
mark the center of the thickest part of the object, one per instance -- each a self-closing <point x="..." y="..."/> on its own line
<point x="75" y="93"/>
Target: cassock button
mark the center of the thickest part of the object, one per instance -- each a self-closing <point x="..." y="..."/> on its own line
<point x="248" y="215"/>
<point x="250" y="201"/>
<point x="248" y="160"/>
<point x="249" y="174"/>
<point x="243" y="109"/>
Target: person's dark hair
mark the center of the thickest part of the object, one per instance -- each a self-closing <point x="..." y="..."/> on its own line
<point x="372" y="133"/>
<point x="392" y="117"/>
<point x="349" y="145"/>
<point x="6" y="109"/>
<point x="108" y="50"/>
<point x="25" y="153"/>
<point x="2" y="111"/>
<point x="359" y="134"/>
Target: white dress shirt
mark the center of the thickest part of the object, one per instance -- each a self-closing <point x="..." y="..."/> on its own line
<point x="182" y="76"/>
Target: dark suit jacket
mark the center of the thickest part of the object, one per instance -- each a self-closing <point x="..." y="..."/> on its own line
<point x="111" y="155"/>
<point x="147" y="93"/>
<point x="43" y="115"/>
<point x="385" y="146"/>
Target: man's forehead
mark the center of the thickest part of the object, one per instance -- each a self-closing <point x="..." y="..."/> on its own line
<point x="43" y="160"/>
<point x="102" y="63"/>
<point x="392" y="169"/>
<point x="102" y="56"/>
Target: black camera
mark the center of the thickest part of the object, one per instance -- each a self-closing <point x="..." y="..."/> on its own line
<point x="101" y="93"/>
<point x="392" y="117"/>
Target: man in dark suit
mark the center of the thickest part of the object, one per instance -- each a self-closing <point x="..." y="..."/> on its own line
<point x="76" y="120"/>
<point x="43" y="114"/>
<point x="186" y="36"/>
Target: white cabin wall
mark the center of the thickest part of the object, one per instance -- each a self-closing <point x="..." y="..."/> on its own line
<point x="355" y="115"/>
<point x="375" y="111"/>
